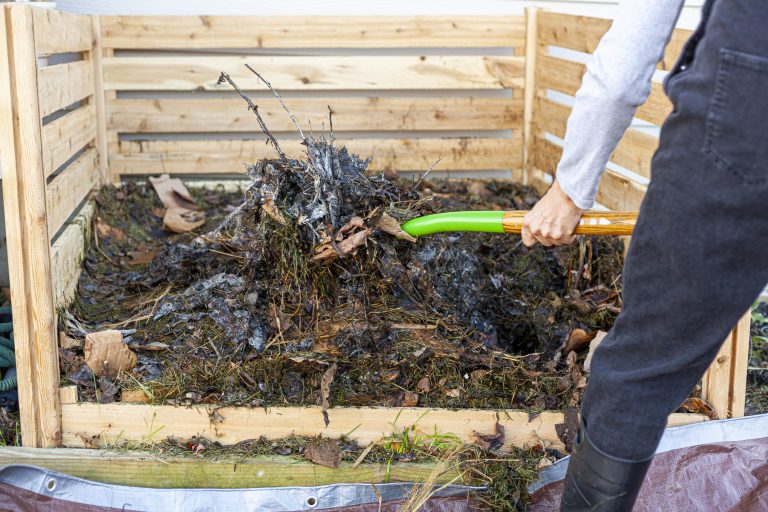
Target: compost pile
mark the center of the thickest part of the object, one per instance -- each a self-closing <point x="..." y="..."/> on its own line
<point x="303" y="290"/>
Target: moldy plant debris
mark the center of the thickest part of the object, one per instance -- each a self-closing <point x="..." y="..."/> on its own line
<point x="305" y="291"/>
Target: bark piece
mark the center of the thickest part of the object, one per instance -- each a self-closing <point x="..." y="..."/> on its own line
<point x="106" y="354"/>
<point x="325" y="452"/>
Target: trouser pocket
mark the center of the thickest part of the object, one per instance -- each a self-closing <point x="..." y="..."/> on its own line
<point x="737" y="120"/>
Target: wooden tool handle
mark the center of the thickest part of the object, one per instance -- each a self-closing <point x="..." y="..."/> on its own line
<point x="591" y="223"/>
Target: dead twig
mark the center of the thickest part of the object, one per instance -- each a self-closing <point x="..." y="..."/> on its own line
<point x="224" y="77"/>
<point x="416" y="186"/>
<point x="277" y="95"/>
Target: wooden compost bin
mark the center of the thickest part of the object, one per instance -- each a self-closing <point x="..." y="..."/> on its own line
<point x="474" y="91"/>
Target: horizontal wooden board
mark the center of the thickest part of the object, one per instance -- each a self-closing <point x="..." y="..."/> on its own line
<point x="226" y="156"/>
<point x="66" y="136"/>
<point x="615" y="191"/>
<point x="61" y="32"/>
<point x="634" y="151"/>
<point x="67" y="190"/>
<point x="64" y="84"/>
<point x="314" y="73"/>
<point x="565" y="76"/>
<point x="100" y="424"/>
<point x="201" y="32"/>
<point x="159" y="471"/>
<point x="68" y="253"/>
<point x="350" y="114"/>
<point x="583" y="33"/>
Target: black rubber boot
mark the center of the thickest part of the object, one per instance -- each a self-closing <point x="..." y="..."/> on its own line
<point x="596" y="481"/>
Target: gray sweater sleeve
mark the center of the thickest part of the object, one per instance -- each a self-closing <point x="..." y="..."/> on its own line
<point x="617" y="81"/>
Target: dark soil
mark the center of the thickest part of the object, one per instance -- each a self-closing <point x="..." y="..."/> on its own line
<point x="757" y="375"/>
<point x="241" y="314"/>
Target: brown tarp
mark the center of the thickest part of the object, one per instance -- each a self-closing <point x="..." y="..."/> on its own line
<point x="723" y="477"/>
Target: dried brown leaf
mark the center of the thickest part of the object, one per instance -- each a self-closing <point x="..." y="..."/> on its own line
<point x="173" y="193"/>
<point x="698" y="406"/>
<point x="66" y="342"/>
<point x="106" y="354"/>
<point x="423" y="385"/>
<point x="181" y="220"/>
<point x="325" y="452"/>
<point x="387" y="224"/>
<point x="491" y="442"/>
<point x="578" y="340"/>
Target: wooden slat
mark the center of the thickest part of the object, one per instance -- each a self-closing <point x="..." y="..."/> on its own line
<point x="68" y="253"/>
<point x="565" y="76"/>
<point x="531" y="51"/>
<point x="615" y="191"/>
<point x="159" y="471"/>
<point x="741" y="342"/>
<point x="67" y="190"/>
<point x="64" y="84"/>
<point x="724" y="383"/>
<point x="315" y="73"/>
<point x="202" y="32"/>
<point x="66" y="136"/>
<point x="583" y="33"/>
<point x="350" y="114"/>
<point x="61" y="32"/>
<point x="634" y="151"/>
<point x="119" y="423"/>
<point x="225" y="156"/>
<point x="34" y="316"/>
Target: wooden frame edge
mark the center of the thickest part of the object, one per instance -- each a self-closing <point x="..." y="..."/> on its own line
<point x="100" y="425"/>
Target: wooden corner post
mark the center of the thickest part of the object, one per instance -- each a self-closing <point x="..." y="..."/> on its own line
<point x="531" y="49"/>
<point x="96" y="56"/>
<point x="724" y="386"/>
<point x="29" y="261"/>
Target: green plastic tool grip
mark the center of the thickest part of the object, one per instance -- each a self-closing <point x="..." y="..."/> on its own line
<point x="482" y="221"/>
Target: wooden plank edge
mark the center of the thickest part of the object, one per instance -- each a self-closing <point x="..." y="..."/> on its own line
<point x="91" y="424"/>
<point x="68" y="252"/>
<point x="156" y="470"/>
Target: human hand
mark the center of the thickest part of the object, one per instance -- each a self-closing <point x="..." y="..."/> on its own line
<point x="552" y="220"/>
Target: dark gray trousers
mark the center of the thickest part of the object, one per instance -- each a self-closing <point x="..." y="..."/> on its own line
<point x="699" y="254"/>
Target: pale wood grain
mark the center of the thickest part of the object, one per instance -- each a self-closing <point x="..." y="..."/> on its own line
<point x="531" y="51"/>
<point x="227" y="156"/>
<point x="350" y="114"/>
<point x="67" y="395"/>
<point x="60" y="32"/>
<point x="64" y="84"/>
<point x="634" y="151"/>
<point x="68" y="253"/>
<point x="69" y="188"/>
<point x="565" y="76"/>
<point x="105" y="424"/>
<point x="314" y="73"/>
<point x="95" y="57"/>
<point x="160" y="471"/>
<point x="34" y="317"/>
<point x="615" y="191"/>
<point x="203" y="32"/>
<point x="583" y="33"/>
<point x="66" y="136"/>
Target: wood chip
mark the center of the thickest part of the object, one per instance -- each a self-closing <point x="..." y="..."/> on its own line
<point x="599" y="337"/>
<point x="181" y="220"/>
<point x="387" y="224"/>
<point x="106" y="354"/>
<point x="136" y="396"/>
<point x="153" y="346"/>
<point x="66" y="342"/>
<point x="325" y="452"/>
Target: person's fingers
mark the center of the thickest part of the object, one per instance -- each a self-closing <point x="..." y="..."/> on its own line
<point x="528" y="239"/>
<point x="543" y="240"/>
